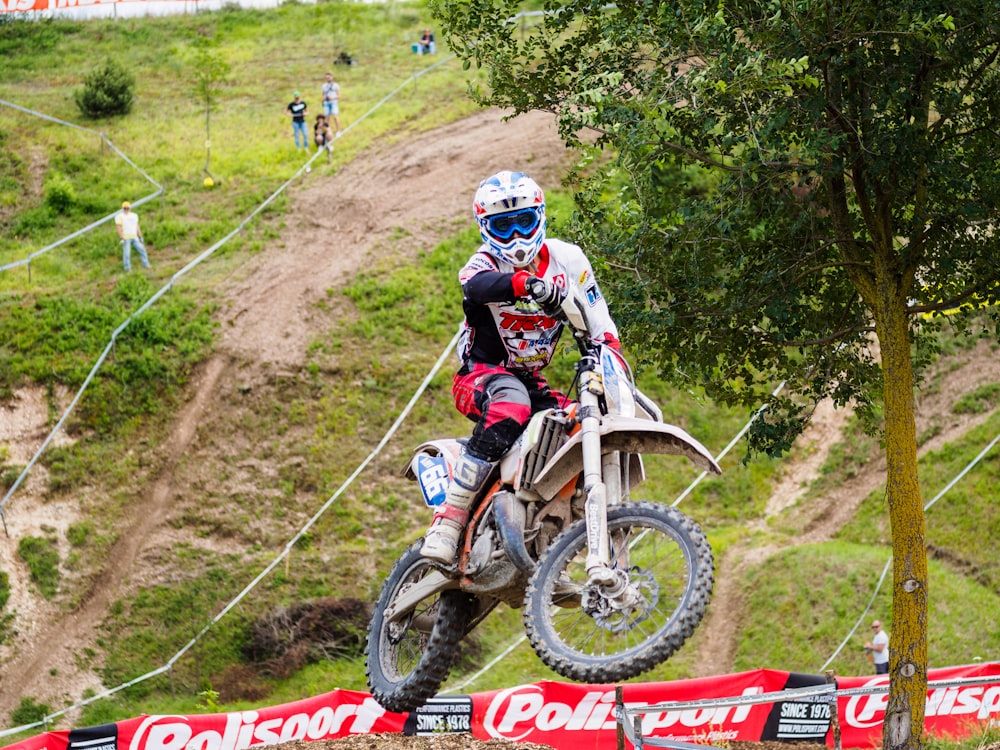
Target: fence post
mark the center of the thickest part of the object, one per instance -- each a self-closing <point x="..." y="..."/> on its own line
<point x="620" y="715"/>
<point x="834" y="715"/>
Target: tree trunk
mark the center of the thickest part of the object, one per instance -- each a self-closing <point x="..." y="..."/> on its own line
<point x="208" y="134"/>
<point x="904" y="716"/>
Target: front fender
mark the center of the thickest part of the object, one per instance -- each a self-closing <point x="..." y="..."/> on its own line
<point x="628" y="435"/>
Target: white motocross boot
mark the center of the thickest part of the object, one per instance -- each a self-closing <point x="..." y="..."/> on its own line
<point x="441" y="539"/>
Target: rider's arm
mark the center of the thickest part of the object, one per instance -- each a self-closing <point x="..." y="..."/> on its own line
<point x="483" y="283"/>
<point x="578" y="266"/>
<point x="493" y="286"/>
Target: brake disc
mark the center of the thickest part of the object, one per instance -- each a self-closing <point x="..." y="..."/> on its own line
<point x="627" y="609"/>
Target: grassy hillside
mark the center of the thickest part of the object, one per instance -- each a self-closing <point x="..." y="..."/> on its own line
<point x="277" y="444"/>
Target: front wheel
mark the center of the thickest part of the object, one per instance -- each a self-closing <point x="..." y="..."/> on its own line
<point x="406" y="660"/>
<point x="665" y="566"/>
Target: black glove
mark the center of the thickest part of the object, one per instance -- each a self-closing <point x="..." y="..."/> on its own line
<point x="545" y="293"/>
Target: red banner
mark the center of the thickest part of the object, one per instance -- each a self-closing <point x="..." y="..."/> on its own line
<point x="560" y="715"/>
<point x="568" y="715"/>
<point x="24" y="6"/>
<point x="952" y="712"/>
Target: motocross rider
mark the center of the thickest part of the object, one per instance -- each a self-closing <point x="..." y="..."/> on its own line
<point x="512" y="286"/>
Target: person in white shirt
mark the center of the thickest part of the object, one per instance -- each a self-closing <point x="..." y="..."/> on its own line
<point x="331" y="102"/>
<point x="878" y="646"/>
<point x="130" y="235"/>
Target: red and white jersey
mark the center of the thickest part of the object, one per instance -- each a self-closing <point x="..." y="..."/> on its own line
<point x="504" y="327"/>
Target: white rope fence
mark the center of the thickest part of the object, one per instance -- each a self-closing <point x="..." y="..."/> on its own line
<point x="173" y="279"/>
<point x="100" y="360"/>
<point x="521" y="639"/>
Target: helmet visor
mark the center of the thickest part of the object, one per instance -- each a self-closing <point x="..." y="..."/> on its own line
<point x="505" y="226"/>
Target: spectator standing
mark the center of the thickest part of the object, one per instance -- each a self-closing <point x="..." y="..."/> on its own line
<point x="127" y="224"/>
<point x="331" y="101"/>
<point x="297" y="109"/>
<point x="878" y="646"/>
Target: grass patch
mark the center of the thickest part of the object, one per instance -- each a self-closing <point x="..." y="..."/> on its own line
<point x="41" y="555"/>
<point x="798" y="620"/>
<point x="29" y="711"/>
<point x="960" y="520"/>
<point x="980" y="401"/>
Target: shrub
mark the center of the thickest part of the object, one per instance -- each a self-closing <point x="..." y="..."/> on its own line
<point x="42" y="558"/>
<point x="288" y="638"/>
<point x="59" y="193"/>
<point x="30" y="711"/>
<point x="8" y="472"/>
<point x="980" y="401"/>
<point x="80" y="534"/>
<point x="107" y="90"/>
<point x="241" y="682"/>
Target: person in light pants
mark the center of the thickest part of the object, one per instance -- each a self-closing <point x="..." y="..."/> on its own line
<point x="130" y="235"/>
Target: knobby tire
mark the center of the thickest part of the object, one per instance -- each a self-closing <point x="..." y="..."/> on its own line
<point x="671" y="557"/>
<point x="406" y="669"/>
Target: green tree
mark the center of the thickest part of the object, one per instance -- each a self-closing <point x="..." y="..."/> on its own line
<point x="790" y="191"/>
<point x="107" y="90"/>
<point x="211" y="71"/>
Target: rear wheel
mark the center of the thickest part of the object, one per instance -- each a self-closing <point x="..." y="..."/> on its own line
<point x="665" y="564"/>
<point x="406" y="660"/>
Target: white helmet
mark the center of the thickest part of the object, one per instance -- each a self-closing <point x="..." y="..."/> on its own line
<point x="510" y="210"/>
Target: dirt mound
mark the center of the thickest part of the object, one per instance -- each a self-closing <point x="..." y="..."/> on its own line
<point x="468" y="742"/>
<point x="399" y="199"/>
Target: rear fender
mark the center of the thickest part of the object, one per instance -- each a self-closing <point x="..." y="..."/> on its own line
<point x="433" y="583"/>
<point x="628" y="435"/>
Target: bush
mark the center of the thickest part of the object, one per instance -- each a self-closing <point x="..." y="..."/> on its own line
<point x="288" y="638"/>
<point x="108" y="90"/>
<point x="29" y="711"/>
<point x="42" y="558"/>
<point x="59" y="193"/>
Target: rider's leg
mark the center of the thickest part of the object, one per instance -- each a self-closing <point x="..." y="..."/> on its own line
<point x="501" y="405"/>
<point x="441" y="539"/>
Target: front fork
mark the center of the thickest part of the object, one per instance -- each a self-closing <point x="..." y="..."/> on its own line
<point x="599" y="570"/>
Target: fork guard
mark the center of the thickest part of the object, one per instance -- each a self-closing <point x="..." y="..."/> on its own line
<point x="510" y="514"/>
<point x="628" y="435"/>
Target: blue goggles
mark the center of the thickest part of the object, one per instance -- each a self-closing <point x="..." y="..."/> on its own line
<point x="505" y="226"/>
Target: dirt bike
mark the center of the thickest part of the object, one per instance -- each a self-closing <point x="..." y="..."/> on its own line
<point x="609" y="587"/>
